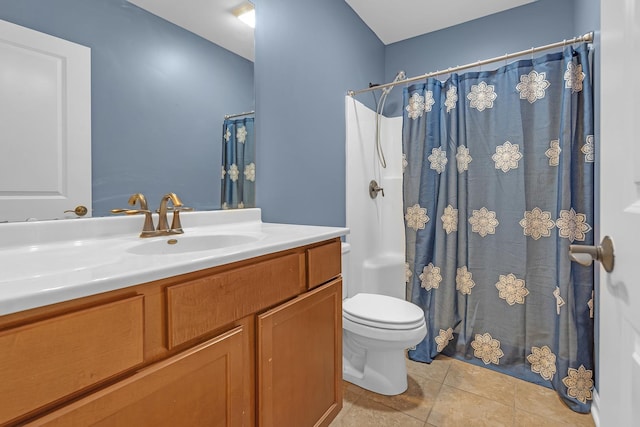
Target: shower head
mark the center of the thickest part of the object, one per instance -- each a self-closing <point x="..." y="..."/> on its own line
<point x="399" y="77"/>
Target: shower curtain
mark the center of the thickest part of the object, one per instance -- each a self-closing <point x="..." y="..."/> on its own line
<point x="238" y="164"/>
<point x="498" y="183"/>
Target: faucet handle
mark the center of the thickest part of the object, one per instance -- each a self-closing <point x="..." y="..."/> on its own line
<point x="130" y="211"/>
<point x="176" y="226"/>
<point x="147" y="229"/>
<point x="179" y="209"/>
<point x="163" y="225"/>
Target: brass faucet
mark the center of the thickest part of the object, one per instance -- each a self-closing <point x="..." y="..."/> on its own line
<point x="163" y="225"/>
<point x="148" y="230"/>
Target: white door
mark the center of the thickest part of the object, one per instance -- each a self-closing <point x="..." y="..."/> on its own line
<point x="619" y="309"/>
<point x="45" y="125"/>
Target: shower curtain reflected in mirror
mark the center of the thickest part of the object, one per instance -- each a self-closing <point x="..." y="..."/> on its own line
<point x="498" y="183"/>
<point x="238" y="164"/>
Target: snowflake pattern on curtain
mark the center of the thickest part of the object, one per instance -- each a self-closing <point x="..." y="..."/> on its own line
<point x="486" y="348"/>
<point x="543" y="362"/>
<point x="511" y="289"/>
<point x="407" y="272"/>
<point x="514" y="195"/>
<point x="553" y="153"/>
<point x="559" y="300"/>
<point x="572" y="225"/>
<point x="443" y="338"/>
<point x="416" y="106"/>
<point x="537" y="223"/>
<point x="482" y="96"/>
<point x="574" y="77"/>
<point x="532" y="86"/>
<point x="450" y="219"/>
<point x="463" y="158"/>
<point x="483" y="222"/>
<point x="241" y="135"/>
<point x="452" y="98"/>
<point x="430" y="277"/>
<point x="507" y="156"/>
<point x="238" y="175"/>
<point x="250" y="172"/>
<point x="588" y="150"/>
<point x="233" y="172"/>
<point x="464" y="280"/>
<point x="416" y="217"/>
<point x="579" y="383"/>
<point x="438" y="159"/>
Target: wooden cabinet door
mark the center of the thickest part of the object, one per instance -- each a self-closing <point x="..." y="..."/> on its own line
<point x="300" y="360"/>
<point x="47" y="361"/>
<point x="202" y="386"/>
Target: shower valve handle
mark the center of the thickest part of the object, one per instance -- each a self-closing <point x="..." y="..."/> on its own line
<point x="374" y="189"/>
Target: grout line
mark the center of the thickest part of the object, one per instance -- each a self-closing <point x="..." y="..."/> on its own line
<point x="359" y="396"/>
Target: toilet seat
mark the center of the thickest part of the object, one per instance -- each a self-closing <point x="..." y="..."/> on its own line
<point x="382" y="311"/>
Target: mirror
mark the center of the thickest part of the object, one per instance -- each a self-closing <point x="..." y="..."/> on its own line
<point x="159" y="94"/>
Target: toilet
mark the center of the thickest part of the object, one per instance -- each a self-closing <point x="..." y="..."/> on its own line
<point x="377" y="328"/>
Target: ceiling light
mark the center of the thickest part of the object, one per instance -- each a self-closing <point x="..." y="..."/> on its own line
<point x="246" y="13"/>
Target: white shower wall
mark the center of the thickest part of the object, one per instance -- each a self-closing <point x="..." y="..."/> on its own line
<point x="376" y="225"/>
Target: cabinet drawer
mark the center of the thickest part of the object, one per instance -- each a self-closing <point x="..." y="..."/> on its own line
<point x="47" y="360"/>
<point x="323" y="263"/>
<point x="200" y="306"/>
<point x="199" y="387"/>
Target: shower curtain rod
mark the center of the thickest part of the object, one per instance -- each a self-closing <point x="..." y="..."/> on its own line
<point x="585" y="38"/>
<point x="230" y="116"/>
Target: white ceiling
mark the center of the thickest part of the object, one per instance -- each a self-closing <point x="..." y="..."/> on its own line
<point x="397" y="20"/>
<point x="390" y="20"/>
<point x="210" y="19"/>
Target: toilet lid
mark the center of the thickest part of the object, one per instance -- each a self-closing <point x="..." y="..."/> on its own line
<point x="382" y="311"/>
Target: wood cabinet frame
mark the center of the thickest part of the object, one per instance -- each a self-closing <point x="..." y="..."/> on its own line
<point x="179" y="319"/>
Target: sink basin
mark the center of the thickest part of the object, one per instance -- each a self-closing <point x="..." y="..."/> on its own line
<point x="57" y="258"/>
<point x="178" y="244"/>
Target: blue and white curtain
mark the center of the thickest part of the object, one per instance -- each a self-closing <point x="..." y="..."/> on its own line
<point x="238" y="164"/>
<point x="498" y="182"/>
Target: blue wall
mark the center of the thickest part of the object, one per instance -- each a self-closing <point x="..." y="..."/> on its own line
<point x="535" y="24"/>
<point x="159" y="94"/>
<point x="308" y="54"/>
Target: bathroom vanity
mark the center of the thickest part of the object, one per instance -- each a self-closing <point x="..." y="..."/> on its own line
<point x="241" y="335"/>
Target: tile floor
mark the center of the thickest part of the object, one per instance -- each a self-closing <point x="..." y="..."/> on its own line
<point x="449" y="392"/>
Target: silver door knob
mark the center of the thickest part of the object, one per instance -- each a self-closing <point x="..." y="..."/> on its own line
<point x="585" y="255"/>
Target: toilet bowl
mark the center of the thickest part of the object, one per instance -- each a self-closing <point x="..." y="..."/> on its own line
<point x="376" y="330"/>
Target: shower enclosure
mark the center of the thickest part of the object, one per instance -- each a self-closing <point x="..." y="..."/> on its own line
<point x="376" y="224"/>
<point x="498" y="185"/>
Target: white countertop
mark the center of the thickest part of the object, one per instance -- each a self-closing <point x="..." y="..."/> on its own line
<point x="46" y="262"/>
